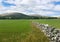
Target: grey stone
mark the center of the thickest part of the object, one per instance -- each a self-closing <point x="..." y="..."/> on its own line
<point x="52" y="33"/>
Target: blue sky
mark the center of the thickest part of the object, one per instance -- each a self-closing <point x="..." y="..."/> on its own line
<point x="6" y="4"/>
<point x="41" y="7"/>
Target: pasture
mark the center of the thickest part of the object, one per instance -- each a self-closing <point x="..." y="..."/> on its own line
<point x="20" y="31"/>
<point x="52" y="22"/>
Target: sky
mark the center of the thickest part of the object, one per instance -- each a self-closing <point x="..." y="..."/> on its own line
<point x="29" y="7"/>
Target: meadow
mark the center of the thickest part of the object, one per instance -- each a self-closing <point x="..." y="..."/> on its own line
<point x="52" y="22"/>
<point x="20" y="31"/>
<point x="24" y="30"/>
<point x="14" y="25"/>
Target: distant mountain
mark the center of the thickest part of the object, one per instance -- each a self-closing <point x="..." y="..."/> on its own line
<point x="44" y="17"/>
<point x="39" y="16"/>
<point x="16" y="15"/>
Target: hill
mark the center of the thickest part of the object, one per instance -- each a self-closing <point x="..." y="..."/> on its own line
<point x="16" y="15"/>
<point x="37" y="16"/>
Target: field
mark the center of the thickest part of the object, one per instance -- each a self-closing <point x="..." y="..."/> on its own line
<point x="14" y="25"/>
<point x="52" y="22"/>
<point x="24" y="30"/>
<point x="20" y="31"/>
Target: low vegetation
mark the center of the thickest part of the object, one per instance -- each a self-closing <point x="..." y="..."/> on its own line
<point x="52" y="22"/>
<point x="24" y="30"/>
<point x="20" y="31"/>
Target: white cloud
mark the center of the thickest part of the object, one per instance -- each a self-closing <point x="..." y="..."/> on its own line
<point x="57" y="8"/>
<point x="31" y="6"/>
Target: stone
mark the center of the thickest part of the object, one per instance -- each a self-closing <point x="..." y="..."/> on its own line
<point x="51" y="32"/>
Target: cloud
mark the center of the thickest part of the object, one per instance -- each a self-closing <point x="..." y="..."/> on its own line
<point x="42" y="7"/>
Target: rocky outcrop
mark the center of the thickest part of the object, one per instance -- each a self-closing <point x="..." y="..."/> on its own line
<point x="51" y="32"/>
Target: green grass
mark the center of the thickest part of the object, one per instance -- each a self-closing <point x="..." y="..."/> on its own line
<point x="20" y="31"/>
<point x="24" y="30"/>
<point x="51" y="22"/>
<point x="11" y="30"/>
<point x="14" y="25"/>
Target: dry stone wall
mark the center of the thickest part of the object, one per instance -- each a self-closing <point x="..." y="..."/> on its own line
<point x="51" y="32"/>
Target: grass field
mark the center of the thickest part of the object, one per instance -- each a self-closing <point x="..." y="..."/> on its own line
<point x="51" y="22"/>
<point x="20" y="31"/>
<point x="12" y="30"/>
<point x="14" y="25"/>
<point x="24" y="30"/>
